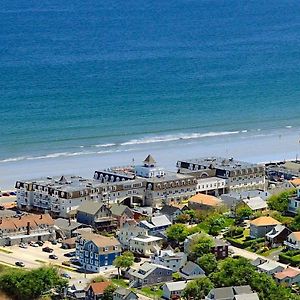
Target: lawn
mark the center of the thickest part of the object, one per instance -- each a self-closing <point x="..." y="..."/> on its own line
<point x="269" y="252"/>
<point x="152" y="292"/>
<point x="246" y="234"/>
<point x="120" y="282"/>
<point x="5" y="251"/>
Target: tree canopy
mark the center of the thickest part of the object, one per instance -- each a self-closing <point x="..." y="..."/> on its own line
<point x="208" y="263"/>
<point x="280" y="201"/>
<point x="200" y="246"/>
<point x="197" y="289"/>
<point x="177" y="232"/>
<point x="125" y="260"/>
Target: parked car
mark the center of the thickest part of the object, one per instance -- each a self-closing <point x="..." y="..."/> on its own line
<point x="40" y="243"/>
<point x="34" y="245"/>
<point x="47" y="249"/>
<point x="66" y="275"/>
<point x="19" y="264"/>
<point x="12" y="193"/>
<point x="75" y="261"/>
<point x="23" y="245"/>
<point x="53" y="256"/>
<point x="5" y="194"/>
<point x="2" y="207"/>
<point x="54" y="242"/>
<point x="70" y="254"/>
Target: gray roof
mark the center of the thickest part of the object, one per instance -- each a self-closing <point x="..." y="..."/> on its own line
<point x="176" y="286"/>
<point x="242" y="289"/>
<point x="65" y="224"/>
<point x="275" y="231"/>
<point x="149" y="160"/>
<point x="124" y="292"/>
<point x="258" y="261"/>
<point x="160" y="221"/>
<point x="252" y="296"/>
<point x="118" y="209"/>
<point x="190" y="267"/>
<point x="90" y="207"/>
<point x="146" y="269"/>
<point x="256" y="203"/>
<point x="169" y="210"/>
<point x="224" y="293"/>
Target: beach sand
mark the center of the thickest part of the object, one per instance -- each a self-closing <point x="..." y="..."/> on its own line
<point x="256" y="148"/>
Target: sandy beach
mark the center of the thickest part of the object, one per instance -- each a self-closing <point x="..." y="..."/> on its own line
<point x="255" y="148"/>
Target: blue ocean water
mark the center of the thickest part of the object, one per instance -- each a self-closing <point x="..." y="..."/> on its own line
<point x="81" y="77"/>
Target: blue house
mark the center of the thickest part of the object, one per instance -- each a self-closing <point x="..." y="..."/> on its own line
<point x="96" y="252"/>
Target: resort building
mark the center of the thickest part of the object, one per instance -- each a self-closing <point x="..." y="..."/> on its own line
<point x="96" y="252"/>
<point x="239" y="175"/>
<point x="26" y="228"/>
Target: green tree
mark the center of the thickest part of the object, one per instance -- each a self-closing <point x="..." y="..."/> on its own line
<point x="123" y="261"/>
<point x="208" y="263"/>
<point x="183" y="218"/>
<point x="197" y="289"/>
<point x="108" y="292"/>
<point x="243" y="212"/>
<point x="32" y="284"/>
<point x="200" y="246"/>
<point x="177" y="232"/>
<point x="280" y="201"/>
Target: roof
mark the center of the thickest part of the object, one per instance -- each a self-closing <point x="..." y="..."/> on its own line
<point x="295" y="235"/>
<point x="90" y="207"/>
<point x="242" y="289"/>
<point x="65" y="224"/>
<point x="223" y="293"/>
<point x="146" y="269"/>
<point x="295" y="182"/>
<point x="256" y="203"/>
<point x="176" y="286"/>
<point x="205" y="200"/>
<point x="99" y="287"/>
<point x="146" y="238"/>
<point x="189" y="268"/>
<point x="258" y="261"/>
<point x="289" y="272"/>
<point x="169" y="210"/>
<point x="100" y="240"/>
<point x="118" y="209"/>
<point x="264" y="221"/>
<point x="149" y="160"/>
<point x="124" y="292"/>
<point x="269" y="265"/>
<point x="252" y="296"/>
<point x="275" y="231"/>
<point x="157" y="221"/>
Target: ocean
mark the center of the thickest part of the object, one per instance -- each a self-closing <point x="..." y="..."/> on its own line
<point x="97" y="78"/>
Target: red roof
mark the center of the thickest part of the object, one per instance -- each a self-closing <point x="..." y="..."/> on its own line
<point x="99" y="287"/>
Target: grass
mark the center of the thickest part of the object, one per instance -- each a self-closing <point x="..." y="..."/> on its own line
<point x="5" y="267"/>
<point x="5" y="251"/>
<point x="246" y="234"/>
<point x="120" y="282"/>
<point x="151" y="292"/>
<point x="41" y="261"/>
<point x="65" y="267"/>
<point x="269" y="252"/>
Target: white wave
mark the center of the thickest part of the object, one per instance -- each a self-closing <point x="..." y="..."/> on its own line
<point x="169" y="138"/>
<point x="288" y="126"/>
<point x="11" y="159"/>
<point x="105" y="145"/>
<point x="244" y="131"/>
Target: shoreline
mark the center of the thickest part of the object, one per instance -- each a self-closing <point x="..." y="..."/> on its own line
<point x="282" y="145"/>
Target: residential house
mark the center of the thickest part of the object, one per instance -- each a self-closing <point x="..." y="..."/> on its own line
<point x="204" y="202"/>
<point x="257" y="204"/>
<point x="270" y="267"/>
<point x="232" y="293"/>
<point x="277" y="235"/>
<point x="130" y="230"/>
<point x="122" y="213"/>
<point x="157" y="224"/>
<point x="258" y="261"/>
<point x="171" y="212"/>
<point x="66" y="228"/>
<point x="124" y="294"/>
<point x="173" y="290"/>
<point x="220" y="248"/>
<point x="96" y="252"/>
<point x="191" y="271"/>
<point x="145" y="245"/>
<point x="293" y="241"/>
<point x="259" y="227"/>
<point x="149" y="274"/>
<point x="288" y="277"/>
<point x="97" y="215"/>
<point x="26" y="228"/>
<point x="77" y="290"/>
<point x="96" y="290"/>
<point x="294" y="203"/>
<point x="169" y="259"/>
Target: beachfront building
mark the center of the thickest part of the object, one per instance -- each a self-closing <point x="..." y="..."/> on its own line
<point x="239" y="175"/>
<point x="96" y="252"/>
<point x="26" y="228"/>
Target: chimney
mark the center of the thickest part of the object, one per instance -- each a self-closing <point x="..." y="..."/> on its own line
<point x="0" y="221"/>
<point x="69" y="221"/>
<point x="28" y="228"/>
<point x="20" y="217"/>
<point x="41" y="217"/>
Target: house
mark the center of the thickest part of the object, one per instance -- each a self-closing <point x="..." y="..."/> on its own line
<point x="130" y="230"/>
<point x="277" y="235"/>
<point x="97" y="215"/>
<point x="270" y="267"/>
<point x="122" y="213"/>
<point x="124" y="294"/>
<point x="69" y="243"/>
<point x="149" y="274"/>
<point x="145" y="245"/>
<point x="293" y="241"/>
<point x="259" y="227"/>
<point x="204" y="202"/>
<point x="26" y="228"/>
<point x="256" y="203"/>
<point x="220" y="248"/>
<point x="173" y="290"/>
<point x="77" y="290"/>
<point x="171" y="212"/>
<point x="96" y="290"/>
<point x="191" y="271"/>
<point x="258" y="261"/>
<point x="169" y="259"/>
<point x="232" y="293"/>
<point x="66" y="228"/>
<point x="288" y="277"/>
<point x="96" y="252"/>
<point x="157" y="224"/>
<point x="294" y="203"/>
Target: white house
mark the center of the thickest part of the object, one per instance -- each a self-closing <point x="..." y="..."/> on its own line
<point x="145" y="245"/>
<point x="293" y="241"/>
<point x="270" y="267"/>
<point x="173" y="289"/>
